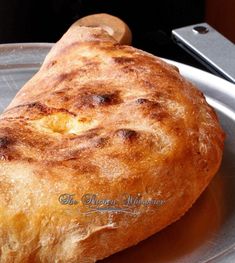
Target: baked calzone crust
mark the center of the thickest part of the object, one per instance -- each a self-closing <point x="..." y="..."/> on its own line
<point x="103" y="147"/>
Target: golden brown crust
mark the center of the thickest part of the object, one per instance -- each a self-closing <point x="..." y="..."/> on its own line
<point x="106" y="119"/>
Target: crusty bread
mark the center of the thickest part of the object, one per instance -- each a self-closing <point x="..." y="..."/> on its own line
<point x="104" y="119"/>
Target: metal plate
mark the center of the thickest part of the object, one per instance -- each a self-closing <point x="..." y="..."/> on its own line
<point x="207" y="231"/>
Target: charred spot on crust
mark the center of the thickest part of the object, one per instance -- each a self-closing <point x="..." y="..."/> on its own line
<point x="52" y="63"/>
<point x="41" y="108"/>
<point x="65" y="98"/>
<point x="104" y="99"/>
<point x="5" y="152"/>
<point x="59" y="92"/>
<point x="175" y="68"/>
<point x="128" y="69"/>
<point x="123" y="60"/>
<point x="152" y="109"/>
<point x="61" y="95"/>
<point x="90" y="134"/>
<point x="37" y="105"/>
<point x="142" y="101"/>
<point x="88" y="66"/>
<point x="159" y="116"/>
<point x="126" y="134"/>
<point x="5" y="142"/>
<point x="94" y="100"/>
<point x="148" y="103"/>
<point x="101" y="142"/>
<point x="44" y="109"/>
<point x="69" y="76"/>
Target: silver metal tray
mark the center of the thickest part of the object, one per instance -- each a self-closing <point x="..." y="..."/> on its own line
<point x="207" y="232"/>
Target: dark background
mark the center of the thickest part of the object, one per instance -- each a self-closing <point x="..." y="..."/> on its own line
<point x="151" y="22"/>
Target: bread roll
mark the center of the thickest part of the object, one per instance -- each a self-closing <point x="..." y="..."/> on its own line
<point x="115" y="27"/>
<point x="103" y="147"/>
